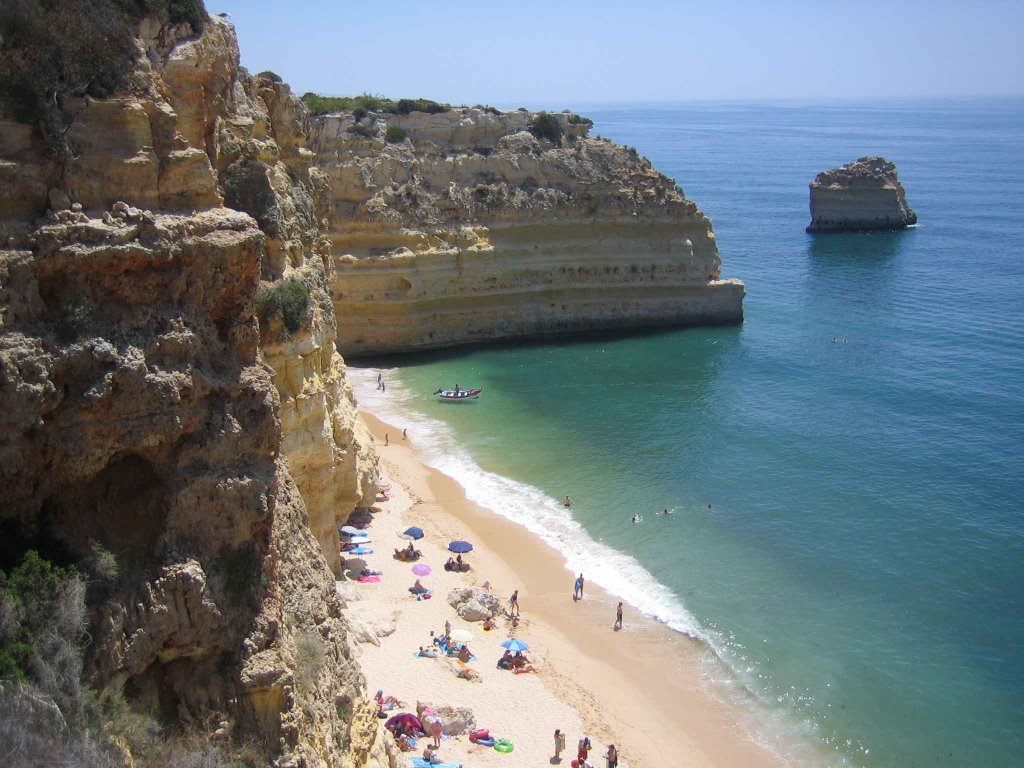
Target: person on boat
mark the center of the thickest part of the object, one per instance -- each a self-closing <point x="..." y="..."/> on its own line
<point x="567" y="502"/>
<point x="456" y="389"/>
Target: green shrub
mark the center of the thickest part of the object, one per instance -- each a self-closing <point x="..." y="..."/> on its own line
<point x="309" y="660"/>
<point x="364" y="130"/>
<point x="323" y="105"/>
<point x="271" y="76"/>
<point x="359" y="113"/>
<point x="102" y="564"/>
<point x="546" y="126"/>
<point x="395" y="134"/>
<point x="575" y="119"/>
<point x="287" y="298"/>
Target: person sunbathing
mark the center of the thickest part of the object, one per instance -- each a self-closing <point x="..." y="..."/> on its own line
<point x="489" y="624"/>
<point x="465" y="654"/>
<point x="428" y="653"/>
<point x="369" y="572"/>
<point x="417" y="588"/>
<point x="385" y="703"/>
<point x="405" y="743"/>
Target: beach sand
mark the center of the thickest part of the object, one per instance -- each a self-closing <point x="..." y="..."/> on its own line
<point x="639" y="688"/>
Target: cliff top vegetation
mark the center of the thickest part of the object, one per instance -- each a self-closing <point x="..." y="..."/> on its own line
<point x="53" y="51"/>
<point x="368" y="102"/>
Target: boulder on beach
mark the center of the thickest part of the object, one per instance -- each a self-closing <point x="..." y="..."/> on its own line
<point x="474" y="603"/>
<point x="859" y="196"/>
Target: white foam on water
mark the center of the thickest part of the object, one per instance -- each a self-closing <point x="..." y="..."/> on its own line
<point x="620" y="574"/>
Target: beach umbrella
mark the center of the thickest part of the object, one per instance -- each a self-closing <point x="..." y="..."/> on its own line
<point x="412" y="533"/>
<point x="362" y="538"/>
<point x="405" y="723"/>
<point x="421" y="569"/>
<point x="461" y="547"/>
<point x="515" y="645"/>
<point x="350" y="530"/>
<point x="461" y="635"/>
<point x="360" y="551"/>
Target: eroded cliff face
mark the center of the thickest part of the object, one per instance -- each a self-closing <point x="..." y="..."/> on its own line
<point x="473" y="229"/>
<point x="863" y="195"/>
<point x="143" y="408"/>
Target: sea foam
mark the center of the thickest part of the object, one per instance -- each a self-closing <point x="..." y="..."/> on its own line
<point x="436" y="445"/>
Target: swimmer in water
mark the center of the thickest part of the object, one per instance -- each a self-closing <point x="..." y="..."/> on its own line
<point x="666" y="512"/>
<point x="637" y="518"/>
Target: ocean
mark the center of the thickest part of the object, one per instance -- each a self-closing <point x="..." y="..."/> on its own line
<point x="848" y="516"/>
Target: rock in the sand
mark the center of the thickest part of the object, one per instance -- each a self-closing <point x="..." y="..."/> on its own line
<point x="473" y="603"/>
<point x="456" y="720"/>
<point x="464" y="671"/>
<point x="858" y="196"/>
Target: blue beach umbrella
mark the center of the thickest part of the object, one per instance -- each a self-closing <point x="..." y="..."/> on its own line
<point x="461" y="547"/>
<point x="360" y="551"/>
<point x="350" y="530"/>
<point x="412" y="533"/>
<point x="515" y="645"/>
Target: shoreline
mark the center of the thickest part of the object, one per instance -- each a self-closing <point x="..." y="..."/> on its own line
<point x="642" y="688"/>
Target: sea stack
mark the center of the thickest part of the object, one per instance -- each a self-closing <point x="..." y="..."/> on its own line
<point x="859" y="196"/>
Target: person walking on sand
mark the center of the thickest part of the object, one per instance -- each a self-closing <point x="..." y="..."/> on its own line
<point x="513" y="604"/>
<point x="559" y="746"/>
<point x="405" y="436"/>
<point x="618" y="617"/>
<point x="612" y="756"/>
<point x="387" y="441"/>
<point x="577" y="590"/>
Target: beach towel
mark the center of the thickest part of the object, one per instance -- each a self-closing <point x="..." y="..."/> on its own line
<point x="368" y="579"/>
<point x="419" y="762"/>
<point x="423" y="595"/>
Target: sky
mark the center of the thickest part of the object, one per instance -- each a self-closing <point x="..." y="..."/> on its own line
<point x="554" y="52"/>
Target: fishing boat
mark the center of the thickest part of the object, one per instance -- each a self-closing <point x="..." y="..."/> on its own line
<point x="459" y="394"/>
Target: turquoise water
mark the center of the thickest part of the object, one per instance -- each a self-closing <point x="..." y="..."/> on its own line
<point x="861" y="566"/>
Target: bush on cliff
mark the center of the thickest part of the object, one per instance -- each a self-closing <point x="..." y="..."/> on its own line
<point x="289" y="299"/>
<point x="575" y="119"/>
<point x="323" y="105"/>
<point x="547" y="126"/>
<point x="395" y="134"/>
<point x="54" y="51"/>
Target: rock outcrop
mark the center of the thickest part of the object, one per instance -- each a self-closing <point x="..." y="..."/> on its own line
<point x="151" y="403"/>
<point x="471" y="229"/>
<point x="862" y="195"/>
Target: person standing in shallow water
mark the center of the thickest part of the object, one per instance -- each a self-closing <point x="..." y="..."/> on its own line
<point x="577" y="590"/>
<point x="618" y="617"/>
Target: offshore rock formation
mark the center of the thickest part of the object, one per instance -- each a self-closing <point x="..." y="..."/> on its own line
<point x="145" y="406"/>
<point x="473" y="229"/>
<point x="862" y="195"/>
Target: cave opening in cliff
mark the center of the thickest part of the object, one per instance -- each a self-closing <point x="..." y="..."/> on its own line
<point x="175" y="691"/>
<point x="122" y="508"/>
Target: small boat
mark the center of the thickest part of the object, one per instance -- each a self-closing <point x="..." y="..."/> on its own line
<point x="459" y="394"/>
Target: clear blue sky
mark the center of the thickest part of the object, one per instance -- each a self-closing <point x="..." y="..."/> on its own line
<point x="546" y="52"/>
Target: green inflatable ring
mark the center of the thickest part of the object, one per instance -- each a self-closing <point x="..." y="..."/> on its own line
<point x="503" y="745"/>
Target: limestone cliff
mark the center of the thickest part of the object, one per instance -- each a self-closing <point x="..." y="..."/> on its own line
<point x="471" y="228"/>
<point x="143" y="407"/>
<point x="862" y="195"/>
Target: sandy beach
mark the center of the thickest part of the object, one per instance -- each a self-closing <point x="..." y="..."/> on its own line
<point x="639" y="688"/>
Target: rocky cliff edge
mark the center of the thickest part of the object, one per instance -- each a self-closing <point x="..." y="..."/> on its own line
<point x="156" y="401"/>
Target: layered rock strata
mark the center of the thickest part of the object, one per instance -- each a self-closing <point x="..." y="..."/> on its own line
<point x="471" y="229"/>
<point x="146" y="407"/>
<point x="863" y="195"/>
